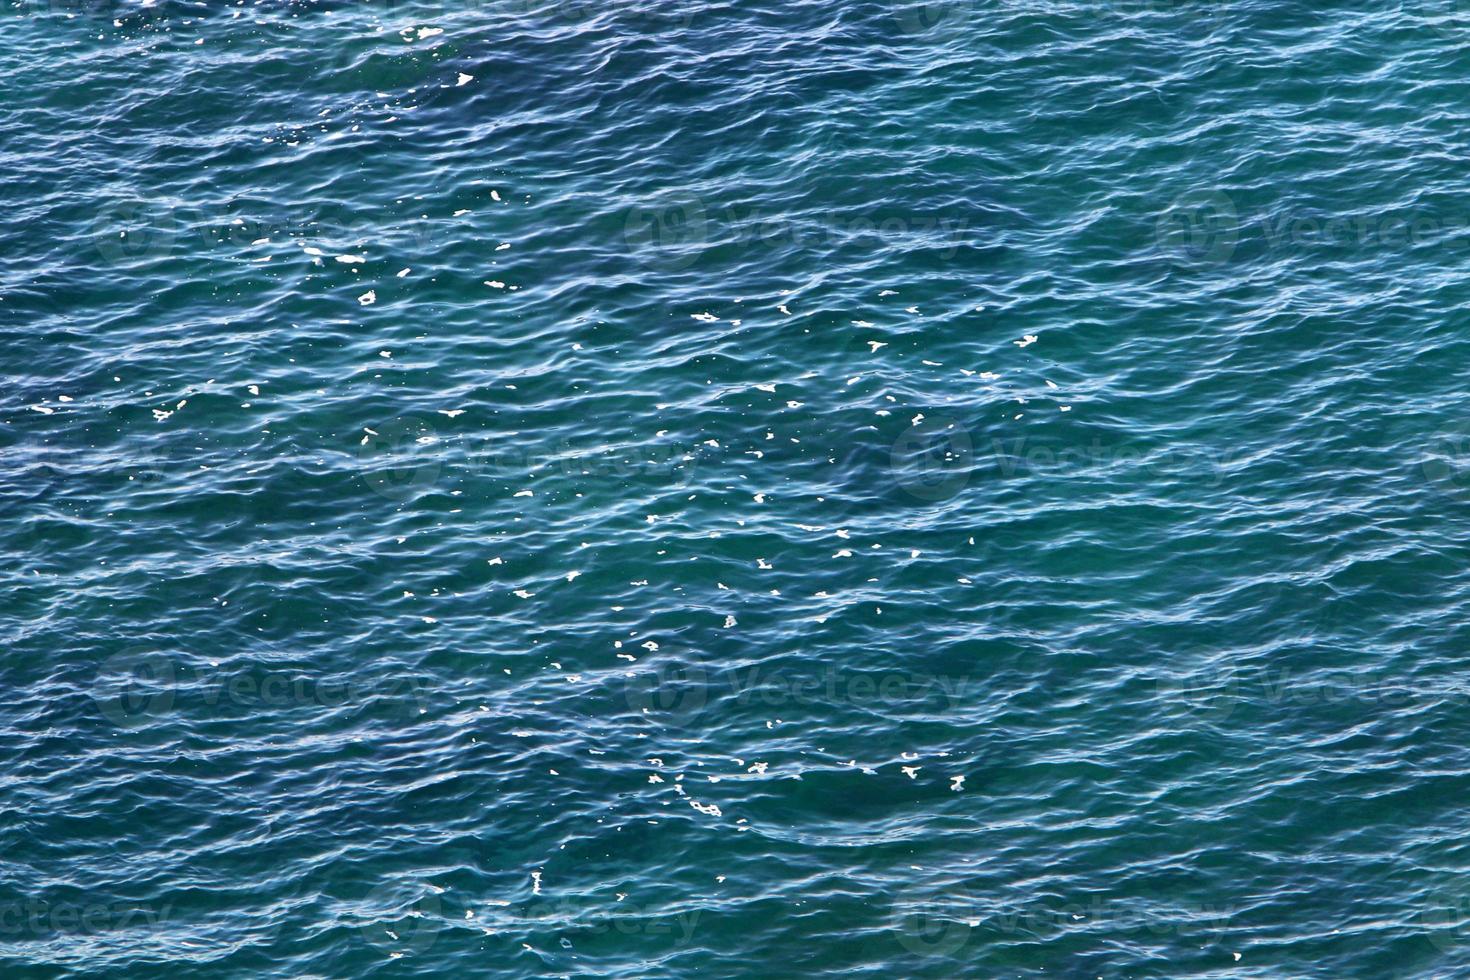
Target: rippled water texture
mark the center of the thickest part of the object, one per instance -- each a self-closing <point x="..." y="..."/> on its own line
<point x="663" y="489"/>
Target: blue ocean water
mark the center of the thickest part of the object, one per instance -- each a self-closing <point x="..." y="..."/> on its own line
<point x="544" y="488"/>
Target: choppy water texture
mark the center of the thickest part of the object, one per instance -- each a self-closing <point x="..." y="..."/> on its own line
<point x="831" y="489"/>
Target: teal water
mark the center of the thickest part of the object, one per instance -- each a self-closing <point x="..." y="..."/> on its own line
<point x="569" y="489"/>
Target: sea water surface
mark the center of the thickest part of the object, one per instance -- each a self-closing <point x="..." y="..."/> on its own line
<point x="810" y="489"/>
